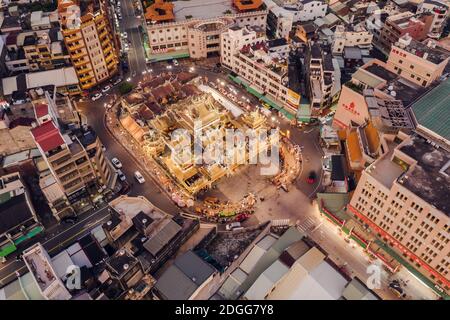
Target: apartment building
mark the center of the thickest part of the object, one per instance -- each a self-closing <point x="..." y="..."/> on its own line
<point x="418" y="62"/>
<point x="192" y="28"/>
<point x="249" y="55"/>
<point x="18" y="220"/>
<point x="321" y="80"/>
<point x="351" y="36"/>
<point x="89" y="41"/>
<point x="75" y="159"/>
<point x="40" y="265"/>
<point x="397" y="25"/>
<point x="283" y="14"/>
<point x="440" y="11"/>
<point x="403" y="198"/>
<point x="36" y="51"/>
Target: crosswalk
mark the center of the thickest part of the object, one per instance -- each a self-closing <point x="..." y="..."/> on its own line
<point x="306" y="225"/>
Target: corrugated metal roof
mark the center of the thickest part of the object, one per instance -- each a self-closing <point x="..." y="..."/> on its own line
<point x="252" y="259"/>
<point x="266" y="281"/>
<point x="356" y="290"/>
<point x="266" y="242"/>
<point x="175" y="285"/>
<point x="432" y="110"/>
<point x="163" y="237"/>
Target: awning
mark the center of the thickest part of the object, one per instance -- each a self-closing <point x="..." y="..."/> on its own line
<point x="6" y="250"/>
<point x="35" y="231"/>
<point x="263" y="98"/>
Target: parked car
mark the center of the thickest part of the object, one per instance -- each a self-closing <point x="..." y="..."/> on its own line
<point x="116" y="162"/>
<point x="139" y="177"/>
<point x="96" y="96"/>
<point x="241" y="217"/>
<point x="106" y="89"/>
<point x="70" y="220"/>
<point x="121" y="175"/>
<point x="175" y="63"/>
<point x="103" y="148"/>
<point x="311" y="177"/>
<point x="117" y="81"/>
<point x="232" y="226"/>
<point x="396" y="288"/>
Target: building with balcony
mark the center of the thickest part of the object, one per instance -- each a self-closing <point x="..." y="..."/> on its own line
<point x="418" y="62"/>
<point x="322" y="83"/>
<point x="18" y="220"/>
<point x="75" y="159"/>
<point x="89" y="40"/>
<point x="36" y="51"/>
<point x="440" y="11"/>
<point x="416" y="25"/>
<point x="351" y="36"/>
<point x="192" y="28"/>
<point x="250" y="55"/>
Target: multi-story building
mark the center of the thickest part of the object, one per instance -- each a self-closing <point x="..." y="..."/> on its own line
<point x="403" y="198"/>
<point x="440" y="12"/>
<point x="75" y="159"/>
<point x="192" y="28"/>
<point x="397" y="25"/>
<point x="248" y="55"/>
<point x="18" y="220"/>
<point x="283" y="14"/>
<point x="352" y="108"/>
<point x="351" y="36"/>
<point x="417" y="62"/>
<point x="89" y="40"/>
<point x="36" y="51"/>
<point x="321" y="80"/>
<point x="40" y="265"/>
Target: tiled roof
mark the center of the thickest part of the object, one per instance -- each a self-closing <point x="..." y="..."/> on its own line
<point x="353" y="146"/>
<point x="47" y="136"/>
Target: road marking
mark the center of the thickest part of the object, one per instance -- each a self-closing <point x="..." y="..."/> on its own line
<point x="85" y="228"/>
<point x="61" y="233"/>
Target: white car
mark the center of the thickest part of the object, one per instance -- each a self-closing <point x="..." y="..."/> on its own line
<point x="96" y="96"/>
<point x="232" y="226"/>
<point x="116" y="162"/>
<point x="117" y="81"/>
<point x="175" y="63"/>
<point x="124" y="35"/>
<point x="121" y="175"/>
<point x="106" y="89"/>
<point x="139" y="177"/>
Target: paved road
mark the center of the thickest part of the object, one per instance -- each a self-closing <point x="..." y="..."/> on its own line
<point x="54" y="240"/>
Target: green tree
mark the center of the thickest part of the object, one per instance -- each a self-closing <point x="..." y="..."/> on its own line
<point x="125" y="87"/>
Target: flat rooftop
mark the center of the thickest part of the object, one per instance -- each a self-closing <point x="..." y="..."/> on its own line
<point x="435" y="55"/>
<point x="384" y="170"/>
<point x="202" y="9"/>
<point x="381" y="72"/>
<point x="430" y="178"/>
